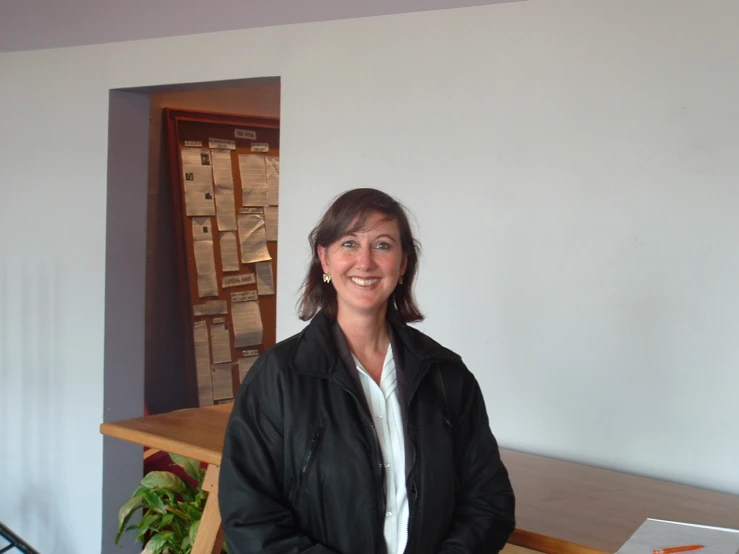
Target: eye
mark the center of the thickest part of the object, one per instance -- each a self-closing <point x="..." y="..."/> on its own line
<point x="348" y="243"/>
<point x="382" y="245"/>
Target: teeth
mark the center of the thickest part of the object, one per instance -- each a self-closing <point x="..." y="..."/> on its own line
<point x="364" y="282"/>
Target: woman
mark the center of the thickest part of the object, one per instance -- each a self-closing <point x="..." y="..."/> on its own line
<point x="361" y="435"/>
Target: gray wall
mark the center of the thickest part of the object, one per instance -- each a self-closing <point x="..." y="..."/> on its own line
<point x="125" y="274"/>
<point x="31" y="24"/>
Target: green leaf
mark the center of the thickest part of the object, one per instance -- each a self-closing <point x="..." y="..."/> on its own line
<point x="125" y="513"/>
<point x="163" y="480"/>
<point x="167" y="520"/>
<point x="186" y="543"/>
<point x="127" y="509"/>
<point x="191" y="467"/>
<point x="154" y="501"/>
<point x="192" y="512"/>
<point x="140" y="490"/>
<point x="150" y="521"/>
<point x="194" y="530"/>
<point x="157" y="543"/>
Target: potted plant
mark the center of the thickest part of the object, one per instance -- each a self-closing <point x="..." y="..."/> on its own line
<point x="171" y="508"/>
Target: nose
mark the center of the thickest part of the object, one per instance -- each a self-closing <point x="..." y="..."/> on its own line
<point x="365" y="260"/>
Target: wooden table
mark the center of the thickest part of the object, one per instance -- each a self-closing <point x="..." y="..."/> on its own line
<point x="561" y="507"/>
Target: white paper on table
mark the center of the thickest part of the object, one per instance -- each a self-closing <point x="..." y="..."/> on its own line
<point x="201" y="229"/>
<point x="265" y="281"/>
<point x="202" y="363"/>
<point x="247" y="324"/>
<point x="220" y="343"/>
<point x="655" y="534"/>
<point x="229" y="251"/>
<point x="273" y="180"/>
<point x="253" y="238"/>
<point x="254" y="188"/>
<point x="222" y="381"/>
<point x="224" y="184"/>
<point x="205" y="266"/>
<point x="211" y="307"/>
<point x="238" y="280"/>
<point x="246" y="362"/>
<point x="198" y="182"/>
<point x="270" y="222"/>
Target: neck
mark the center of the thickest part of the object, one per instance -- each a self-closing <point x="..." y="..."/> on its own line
<point x="365" y="332"/>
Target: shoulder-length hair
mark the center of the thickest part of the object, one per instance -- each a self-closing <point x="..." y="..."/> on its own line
<point x="348" y="214"/>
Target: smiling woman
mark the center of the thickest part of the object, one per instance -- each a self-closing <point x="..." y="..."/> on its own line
<point x="344" y="235"/>
<point x="361" y="434"/>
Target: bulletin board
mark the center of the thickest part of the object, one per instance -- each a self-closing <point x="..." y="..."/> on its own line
<point x="224" y="174"/>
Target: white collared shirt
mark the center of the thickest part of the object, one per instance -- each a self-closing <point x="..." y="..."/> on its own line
<point x="384" y="405"/>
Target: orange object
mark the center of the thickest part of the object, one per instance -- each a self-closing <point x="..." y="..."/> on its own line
<point x="673" y="549"/>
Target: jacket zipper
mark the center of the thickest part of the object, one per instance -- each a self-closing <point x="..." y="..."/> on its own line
<point x="311" y="450"/>
<point x="308" y="459"/>
<point x="412" y="504"/>
<point x="379" y="451"/>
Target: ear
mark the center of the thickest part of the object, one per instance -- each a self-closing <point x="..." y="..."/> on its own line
<point x="323" y="257"/>
<point x="404" y="264"/>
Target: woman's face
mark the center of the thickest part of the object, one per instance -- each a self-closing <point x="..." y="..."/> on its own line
<point x="365" y="266"/>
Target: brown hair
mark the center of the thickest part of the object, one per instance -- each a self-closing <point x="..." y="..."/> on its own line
<point x="353" y="207"/>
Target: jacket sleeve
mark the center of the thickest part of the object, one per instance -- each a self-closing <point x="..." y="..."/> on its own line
<point x="256" y="516"/>
<point x="484" y="504"/>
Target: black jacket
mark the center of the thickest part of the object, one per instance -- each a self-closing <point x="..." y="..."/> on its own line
<point x="302" y="467"/>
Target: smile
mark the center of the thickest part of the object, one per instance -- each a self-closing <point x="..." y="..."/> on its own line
<point x="364" y="282"/>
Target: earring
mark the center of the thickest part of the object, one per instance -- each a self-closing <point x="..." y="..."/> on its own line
<point x="326" y="278"/>
<point x="400" y="281"/>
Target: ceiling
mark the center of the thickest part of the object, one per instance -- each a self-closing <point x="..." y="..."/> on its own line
<point x="35" y="24"/>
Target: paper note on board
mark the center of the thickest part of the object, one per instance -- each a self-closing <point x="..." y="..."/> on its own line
<point x="210" y="307"/>
<point x="198" y="182"/>
<point x="202" y="363"/>
<point x="272" y="166"/>
<point x="222" y="382"/>
<point x="270" y="222"/>
<point x="247" y="324"/>
<point x="224" y="185"/>
<point x="253" y="238"/>
<point x="205" y="266"/>
<point x="245" y="134"/>
<point x="254" y="188"/>
<point x="246" y="362"/>
<point x="222" y="144"/>
<point x="238" y="280"/>
<point x="201" y="229"/>
<point x="220" y="343"/>
<point x="265" y="281"/>
<point x="229" y="251"/>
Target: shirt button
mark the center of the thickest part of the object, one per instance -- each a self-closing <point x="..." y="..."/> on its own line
<point x="387" y="465"/>
<point x="379" y="417"/>
<point x="389" y="514"/>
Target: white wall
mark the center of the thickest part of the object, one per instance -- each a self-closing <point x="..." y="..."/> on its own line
<point x="571" y="165"/>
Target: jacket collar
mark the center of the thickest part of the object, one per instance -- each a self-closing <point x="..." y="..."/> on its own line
<point x="316" y="352"/>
